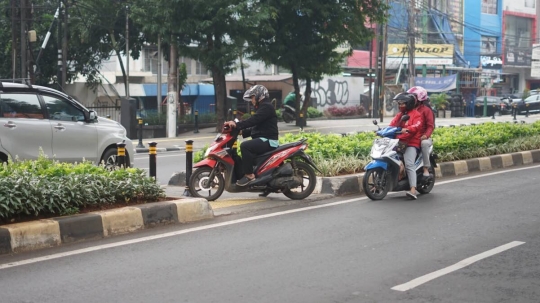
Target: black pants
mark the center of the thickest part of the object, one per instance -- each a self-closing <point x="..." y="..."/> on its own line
<point x="251" y="149"/>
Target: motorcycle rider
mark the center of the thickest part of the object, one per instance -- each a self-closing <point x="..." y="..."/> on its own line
<point x="429" y="125"/>
<point x="262" y="127"/>
<point x="411" y="133"/>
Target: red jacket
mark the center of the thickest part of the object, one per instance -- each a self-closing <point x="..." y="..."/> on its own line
<point x="415" y="126"/>
<point x="429" y="121"/>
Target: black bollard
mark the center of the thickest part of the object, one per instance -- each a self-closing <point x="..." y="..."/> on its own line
<point x="121" y="154"/>
<point x="302" y="120"/>
<point x="196" y="122"/>
<point x="189" y="165"/>
<point x="526" y="110"/>
<point x="140" y="145"/>
<point x="152" y="152"/>
<point x="494" y="110"/>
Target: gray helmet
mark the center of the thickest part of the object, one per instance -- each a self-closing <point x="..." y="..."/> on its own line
<point x="260" y="92"/>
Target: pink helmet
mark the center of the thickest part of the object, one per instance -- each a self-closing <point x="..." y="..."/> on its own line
<point x="420" y="92"/>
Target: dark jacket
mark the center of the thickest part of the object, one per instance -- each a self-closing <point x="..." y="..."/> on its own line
<point x="263" y="124"/>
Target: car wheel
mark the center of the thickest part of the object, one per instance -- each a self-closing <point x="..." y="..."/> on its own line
<point x="110" y="160"/>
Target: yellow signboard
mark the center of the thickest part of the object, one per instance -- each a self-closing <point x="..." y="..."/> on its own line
<point x="422" y="50"/>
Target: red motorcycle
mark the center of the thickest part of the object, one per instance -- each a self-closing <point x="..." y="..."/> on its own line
<point x="287" y="169"/>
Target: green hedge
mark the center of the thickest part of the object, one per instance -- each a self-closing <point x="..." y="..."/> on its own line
<point x="47" y="187"/>
<point x="336" y="155"/>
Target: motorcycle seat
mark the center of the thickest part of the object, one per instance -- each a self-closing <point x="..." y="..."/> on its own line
<point x="279" y="148"/>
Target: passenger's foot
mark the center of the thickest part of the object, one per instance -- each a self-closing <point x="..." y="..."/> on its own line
<point x="412" y="195"/>
<point x="244" y="181"/>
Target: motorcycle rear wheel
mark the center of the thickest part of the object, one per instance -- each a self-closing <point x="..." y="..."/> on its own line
<point x="306" y="172"/>
<point x="287" y="117"/>
<point x="200" y="187"/>
<point x="374" y="184"/>
<point x="426" y="188"/>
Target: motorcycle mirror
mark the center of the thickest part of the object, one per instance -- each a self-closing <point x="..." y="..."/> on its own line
<point x="375" y="122"/>
<point x="405" y="118"/>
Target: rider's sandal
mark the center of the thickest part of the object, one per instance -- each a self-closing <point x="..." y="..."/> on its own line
<point x="411" y="195"/>
<point x="244" y="181"/>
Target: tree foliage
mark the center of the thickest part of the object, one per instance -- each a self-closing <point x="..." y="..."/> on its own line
<point x="215" y="27"/>
<point x="304" y="36"/>
<point x="94" y="34"/>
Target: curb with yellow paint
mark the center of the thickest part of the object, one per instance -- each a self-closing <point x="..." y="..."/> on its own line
<point x="34" y="235"/>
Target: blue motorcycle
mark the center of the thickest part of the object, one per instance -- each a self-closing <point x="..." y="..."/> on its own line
<point x="386" y="172"/>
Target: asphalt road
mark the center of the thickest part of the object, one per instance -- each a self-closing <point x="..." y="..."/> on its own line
<point x="473" y="239"/>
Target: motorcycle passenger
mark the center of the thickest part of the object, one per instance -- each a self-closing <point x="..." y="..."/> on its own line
<point x="262" y="127"/>
<point x="429" y="125"/>
<point x="411" y="133"/>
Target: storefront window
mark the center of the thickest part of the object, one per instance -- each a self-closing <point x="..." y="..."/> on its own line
<point x="518" y="31"/>
<point x="518" y="40"/>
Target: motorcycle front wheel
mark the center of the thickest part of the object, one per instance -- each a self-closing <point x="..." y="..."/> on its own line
<point x="374" y="183"/>
<point x="306" y="172"/>
<point x="200" y="185"/>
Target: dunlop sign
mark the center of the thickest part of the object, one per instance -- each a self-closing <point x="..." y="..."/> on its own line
<point x="430" y="54"/>
<point x="422" y="50"/>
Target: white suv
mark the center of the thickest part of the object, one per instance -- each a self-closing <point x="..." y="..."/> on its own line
<point x="36" y="117"/>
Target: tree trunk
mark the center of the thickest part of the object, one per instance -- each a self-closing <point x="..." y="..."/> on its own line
<point x="117" y="51"/>
<point x="220" y="90"/>
<point x="296" y="86"/>
<point x="307" y="97"/>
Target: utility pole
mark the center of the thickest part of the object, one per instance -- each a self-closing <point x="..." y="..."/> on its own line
<point x="378" y="71"/>
<point x="159" y="75"/>
<point x="383" y="67"/>
<point x="370" y="109"/>
<point x="411" y="30"/>
<point x="172" y="94"/>
<point x="65" y="45"/>
<point x="24" y="71"/>
<point x="14" y="40"/>
<point x="59" y="47"/>
<point x="127" y="52"/>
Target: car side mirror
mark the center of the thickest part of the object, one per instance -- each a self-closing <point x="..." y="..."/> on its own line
<point x="92" y="116"/>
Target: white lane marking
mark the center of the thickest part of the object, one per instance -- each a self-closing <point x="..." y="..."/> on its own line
<point x="171" y="234"/>
<point x="463" y="263"/>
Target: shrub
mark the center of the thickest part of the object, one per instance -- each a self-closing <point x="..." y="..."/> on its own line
<point x="334" y="111"/>
<point x="48" y="187"/>
<point x="312" y="112"/>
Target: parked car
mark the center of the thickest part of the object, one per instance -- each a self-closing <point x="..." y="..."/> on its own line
<point x="34" y="118"/>
<point x="495" y="105"/>
<point x="531" y="103"/>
